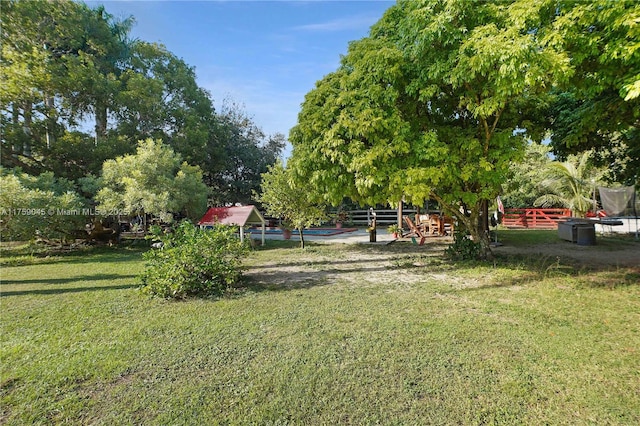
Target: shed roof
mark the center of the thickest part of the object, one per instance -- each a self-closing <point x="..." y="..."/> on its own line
<point x="240" y="216"/>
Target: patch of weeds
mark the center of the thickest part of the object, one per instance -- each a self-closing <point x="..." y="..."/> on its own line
<point x="632" y="277"/>
<point x="545" y="266"/>
<point x="616" y="242"/>
<point x="18" y="254"/>
<point x="557" y="269"/>
<point x="329" y="251"/>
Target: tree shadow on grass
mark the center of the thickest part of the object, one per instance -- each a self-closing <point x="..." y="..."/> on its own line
<point x="286" y="280"/>
<point x="67" y="290"/>
<point x="96" y="277"/>
<point x="354" y="263"/>
<point x="79" y="256"/>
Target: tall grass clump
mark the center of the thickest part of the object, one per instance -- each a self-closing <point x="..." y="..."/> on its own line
<point x="193" y="262"/>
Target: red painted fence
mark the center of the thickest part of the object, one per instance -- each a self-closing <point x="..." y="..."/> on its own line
<point x="534" y="218"/>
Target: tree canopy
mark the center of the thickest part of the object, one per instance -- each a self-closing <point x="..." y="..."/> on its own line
<point x="427" y="106"/>
<point x="599" y="106"/>
<point x="77" y="90"/>
<point x="153" y="181"/>
<point x="439" y="100"/>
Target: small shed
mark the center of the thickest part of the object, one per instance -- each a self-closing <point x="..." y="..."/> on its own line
<point x="238" y="216"/>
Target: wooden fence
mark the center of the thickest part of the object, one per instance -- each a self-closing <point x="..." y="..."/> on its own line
<point x="513" y="218"/>
<point x="360" y="218"/>
<point x="383" y="216"/>
<point x="534" y="218"/>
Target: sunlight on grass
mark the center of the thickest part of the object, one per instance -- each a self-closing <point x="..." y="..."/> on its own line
<point x="328" y="335"/>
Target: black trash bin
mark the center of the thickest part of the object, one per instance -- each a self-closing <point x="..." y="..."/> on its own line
<point x="586" y="235"/>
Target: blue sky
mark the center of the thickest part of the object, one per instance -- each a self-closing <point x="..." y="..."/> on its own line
<point x="264" y="55"/>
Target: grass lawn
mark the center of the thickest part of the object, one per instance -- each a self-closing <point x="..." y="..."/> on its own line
<point x="334" y="334"/>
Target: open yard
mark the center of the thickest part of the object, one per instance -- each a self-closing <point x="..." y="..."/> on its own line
<point x="548" y="333"/>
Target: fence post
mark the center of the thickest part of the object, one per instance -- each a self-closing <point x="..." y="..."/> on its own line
<point x="371" y="218"/>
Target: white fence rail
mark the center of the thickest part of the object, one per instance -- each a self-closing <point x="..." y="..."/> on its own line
<point x="360" y="218"/>
<point x="383" y="217"/>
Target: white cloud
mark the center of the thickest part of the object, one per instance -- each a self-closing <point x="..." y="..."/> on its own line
<point x="340" y="24"/>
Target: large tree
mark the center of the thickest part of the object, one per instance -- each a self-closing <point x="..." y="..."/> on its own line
<point x="66" y="65"/>
<point x="599" y="107"/>
<point x="60" y="62"/>
<point x="246" y="153"/>
<point x="428" y="106"/>
<point x="282" y="197"/>
<point x="160" y="98"/>
<point x="153" y="181"/>
<point x="67" y="68"/>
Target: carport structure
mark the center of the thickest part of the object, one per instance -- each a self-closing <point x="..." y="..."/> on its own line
<point x="235" y="216"/>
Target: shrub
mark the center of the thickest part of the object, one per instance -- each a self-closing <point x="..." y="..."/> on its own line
<point x="463" y="248"/>
<point x="193" y="262"/>
<point x="41" y="206"/>
<point x="394" y="229"/>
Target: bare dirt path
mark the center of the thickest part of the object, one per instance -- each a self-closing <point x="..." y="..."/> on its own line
<point x="406" y="263"/>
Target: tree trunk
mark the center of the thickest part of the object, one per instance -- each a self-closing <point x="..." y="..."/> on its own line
<point x="26" y="128"/>
<point x="301" y="237"/>
<point x="15" y="120"/>
<point x="484" y="216"/>
<point x="50" y="121"/>
<point x="101" y="121"/>
<point x="480" y="229"/>
<point x="474" y="225"/>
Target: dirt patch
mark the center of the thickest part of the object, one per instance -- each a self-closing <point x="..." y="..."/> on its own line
<point x="404" y="264"/>
<point x="350" y="264"/>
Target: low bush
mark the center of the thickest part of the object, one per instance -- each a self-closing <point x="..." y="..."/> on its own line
<point x="463" y="248"/>
<point x="193" y="262"/>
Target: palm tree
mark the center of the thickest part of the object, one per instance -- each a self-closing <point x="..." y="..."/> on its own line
<point x="570" y="185"/>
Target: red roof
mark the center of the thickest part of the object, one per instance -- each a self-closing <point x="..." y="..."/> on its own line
<point x="232" y="216"/>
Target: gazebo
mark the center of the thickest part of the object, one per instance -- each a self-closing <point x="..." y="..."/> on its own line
<point x="238" y="216"/>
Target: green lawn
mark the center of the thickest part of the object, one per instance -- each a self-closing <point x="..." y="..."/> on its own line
<point x="334" y="334"/>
